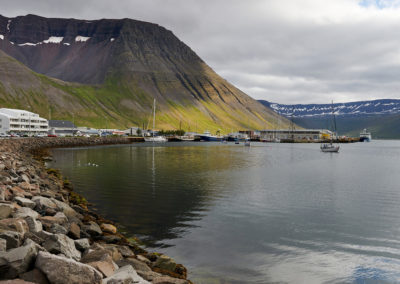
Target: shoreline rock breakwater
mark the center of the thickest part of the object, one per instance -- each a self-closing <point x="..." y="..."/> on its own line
<point x="48" y="235"/>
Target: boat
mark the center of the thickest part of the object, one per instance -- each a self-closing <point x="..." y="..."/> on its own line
<point x="365" y="136"/>
<point x="247" y="143"/>
<point x="329" y="147"/>
<point x="180" y="138"/>
<point x="155" y="138"/>
<point x="206" y="136"/>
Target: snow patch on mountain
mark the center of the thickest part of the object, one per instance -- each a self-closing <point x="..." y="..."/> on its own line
<point x="81" y="38"/>
<point x="54" y="39"/>
<point x="376" y="107"/>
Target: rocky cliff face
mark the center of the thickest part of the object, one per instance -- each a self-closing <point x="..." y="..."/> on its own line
<point x="131" y="62"/>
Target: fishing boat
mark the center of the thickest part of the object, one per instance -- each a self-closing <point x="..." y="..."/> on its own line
<point x="155" y="138"/>
<point x="329" y="147"/>
<point x="365" y="136"/>
<point x="206" y="136"/>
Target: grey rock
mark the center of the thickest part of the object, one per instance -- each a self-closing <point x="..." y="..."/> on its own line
<point x="14" y="224"/>
<point x="25" y="178"/>
<point x="60" y="243"/>
<point x="93" y="229"/>
<point x="65" y="208"/>
<point x="40" y="237"/>
<point x="35" y="276"/>
<point x="136" y="264"/>
<point x="82" y="244"/>
<point x="61" y="270"/>
<point x="125" y="275"/>
<point x="58" y="229"/>
<point x="43" y="203"/>
<point x="2" y="194"/>
<point x="3" y="245"/>
<point x="144" y="259"/>
<point x="125" y="251"/>
<point x="12" y="238"/>
<point x="34" y="225"/>
<point x="79" y="209"/>
<point x="25" y="202"/>
<point x="166" y="263"/>
<point x="24" y="212"/>
<point x="168" y="280"/>
<point x="6" y="210"/>
<point x="18" y="260"/>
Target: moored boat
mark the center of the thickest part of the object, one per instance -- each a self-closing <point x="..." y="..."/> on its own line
<point x="365" y="136"/>
<point x="206" y="136"/>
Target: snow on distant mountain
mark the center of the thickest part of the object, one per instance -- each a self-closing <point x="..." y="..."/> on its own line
<point x="376" y="107"/>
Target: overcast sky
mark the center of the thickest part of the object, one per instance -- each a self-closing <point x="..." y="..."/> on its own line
<point x="286" y="51"/>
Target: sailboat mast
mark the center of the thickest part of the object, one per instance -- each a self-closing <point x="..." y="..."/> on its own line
<point x="154" y="116"/>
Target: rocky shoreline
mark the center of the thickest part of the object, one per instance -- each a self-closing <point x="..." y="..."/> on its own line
<point x="48" y="235"/>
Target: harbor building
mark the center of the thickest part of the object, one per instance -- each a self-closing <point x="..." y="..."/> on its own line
<point x="17" y="121"/>
<point x="62" y="128"/>
<point x="298" y="134"/>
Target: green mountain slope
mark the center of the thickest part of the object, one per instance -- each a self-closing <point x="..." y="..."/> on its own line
<point x="118" y="67"/>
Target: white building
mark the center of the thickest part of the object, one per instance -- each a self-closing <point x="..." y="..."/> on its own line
<point x="22" y="122"/>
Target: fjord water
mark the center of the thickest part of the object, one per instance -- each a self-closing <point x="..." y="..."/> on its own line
<point x="270" y="213"/>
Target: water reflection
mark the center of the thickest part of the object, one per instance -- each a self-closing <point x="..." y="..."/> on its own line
<point x="271" y="213"/>
<point x="154" y="192"/>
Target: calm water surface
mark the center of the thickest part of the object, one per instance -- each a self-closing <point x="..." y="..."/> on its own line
<point x="271" y="213"/>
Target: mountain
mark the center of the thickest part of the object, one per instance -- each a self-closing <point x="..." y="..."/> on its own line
<point x="381" y="117"/>
<point x="115" y="68"/>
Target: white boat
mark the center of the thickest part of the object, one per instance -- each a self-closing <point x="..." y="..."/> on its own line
<point x="247" y="143"/>
<point x="365" y="136"/>
<point x="155" y="138"/>
<point x="329" y="147"/>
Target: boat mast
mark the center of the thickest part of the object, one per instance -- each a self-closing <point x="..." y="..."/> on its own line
<point x="154" y="116"/>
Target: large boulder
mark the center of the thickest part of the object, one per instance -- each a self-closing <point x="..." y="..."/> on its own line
<point x="141" y="268"/>
<point x="93" y="229"/>
<point x="35" y="276"/>
<point x="14" y="224"/>
<point x="18" y="260"/>
<point x="6" y="210"/>
<point x="34" y="225"/>
<point x="59" y="243"/>
<point x="125" y="275"/>
<point x="65" y="208"/>
<point x="44" y="203"/>
<point x="49" y="221"/>
<point x="13" y="239"/>
<point x="166" y="263"/>
<point x="101" y="260"/>
<point x="25" y="212"/>
<point x="108" y="228"/>
<point x="62" y="270"/>
<point x="82" y="244"/>
<point x="3" y="245"/>
<point x="74" y="231"/>
<point x="25" y="202"/>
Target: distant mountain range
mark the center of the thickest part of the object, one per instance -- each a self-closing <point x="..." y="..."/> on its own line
<point x="381" y="117"/>
<point x="106" y="73"/>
